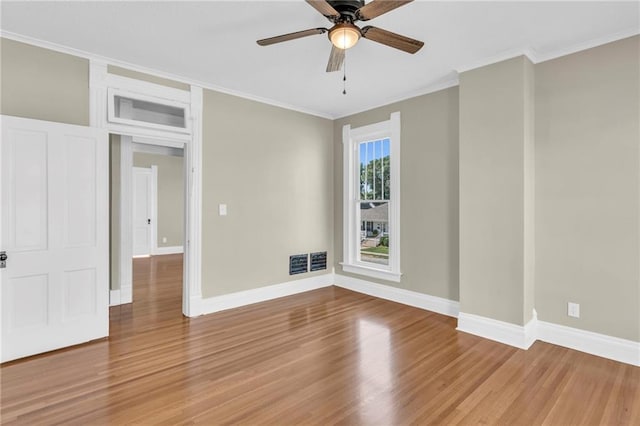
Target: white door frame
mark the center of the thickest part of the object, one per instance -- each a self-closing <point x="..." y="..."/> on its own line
<point x="99" y="82"/>
<point x="154" y="210"/>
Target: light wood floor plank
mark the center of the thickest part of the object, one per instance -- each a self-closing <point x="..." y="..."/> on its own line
<point x="329" y="356"/>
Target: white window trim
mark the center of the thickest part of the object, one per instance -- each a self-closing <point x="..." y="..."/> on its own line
<point x="351" y="138"/>
<point x="129" y="94"/>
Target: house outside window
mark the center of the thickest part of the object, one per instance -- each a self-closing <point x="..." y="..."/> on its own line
<point x="372" y="199"/>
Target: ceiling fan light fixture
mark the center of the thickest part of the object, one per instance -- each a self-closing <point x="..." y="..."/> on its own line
<point x="344" y="36"/>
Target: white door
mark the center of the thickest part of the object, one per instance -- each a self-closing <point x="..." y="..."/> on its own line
<point x="141" y="211"/>
<point x="54" y="229"/>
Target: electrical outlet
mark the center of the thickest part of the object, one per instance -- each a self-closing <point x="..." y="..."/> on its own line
<point x="164" y="240"/>
<point x="573" y="309"/>
<point x="222" y="209"/>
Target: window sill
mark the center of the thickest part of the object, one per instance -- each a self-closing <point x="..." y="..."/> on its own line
<point x="371" y="272"/>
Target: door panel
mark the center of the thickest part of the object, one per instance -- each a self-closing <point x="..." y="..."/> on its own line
<point x="80" y="224"/>
<point x="27" y="168"/>
<point x="141" y="211"/>
<point x="54" y="228"/>
<point x="30" y="308"/>
<point x="80" y="294"/>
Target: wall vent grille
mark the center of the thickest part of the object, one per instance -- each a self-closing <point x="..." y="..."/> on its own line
<point x="298" y="264"/>
<point x="319" y="261"/>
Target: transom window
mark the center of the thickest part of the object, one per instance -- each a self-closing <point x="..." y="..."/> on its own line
<point x="372" y="202"/>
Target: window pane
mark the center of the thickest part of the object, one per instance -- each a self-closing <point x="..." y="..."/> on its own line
<point x="374" y="170"/>
<point x="150" y="112"/>
<point x="374" y="232"/>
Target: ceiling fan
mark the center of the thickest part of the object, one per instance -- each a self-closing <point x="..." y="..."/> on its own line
<point x="345" y="34"/>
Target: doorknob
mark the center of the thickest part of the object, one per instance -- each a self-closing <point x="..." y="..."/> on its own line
<point x="148" y="221"/>
<point x="3" y="259"/>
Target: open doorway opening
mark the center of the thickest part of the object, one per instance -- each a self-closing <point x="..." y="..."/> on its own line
<point x="158" y="221"/>
<point x="148" y="208"/>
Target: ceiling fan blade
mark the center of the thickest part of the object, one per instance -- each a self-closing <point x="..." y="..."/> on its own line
<point x="325" y="8"/>
<point x="291" y="36"/>
<point x="390" y="39"/>
<point x="379" y="7"/>
<point x="336" y="58"/>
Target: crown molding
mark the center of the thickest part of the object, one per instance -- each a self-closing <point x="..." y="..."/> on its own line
<point x="529" y="53"/>
<point x="538" y="56"/>
<point x="547" y="55"/>
<point x="432" y="88"/>
<point x="122" y="64"/>
<point x="535" y="56"/>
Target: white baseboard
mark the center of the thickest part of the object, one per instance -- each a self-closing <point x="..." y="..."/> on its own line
<point x="523" y="337"/>
<point x="406" y="297"/>
<point x="248" y="297"/>
<point x="114" y="297"/>
<point x="168" y="250"/>
<point x="520" y="336"/>
<point x="126" y="294"/>
<point x="622" y="350"/>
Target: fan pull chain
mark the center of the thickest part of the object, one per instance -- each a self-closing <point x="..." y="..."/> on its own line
<point x="344" y="74"/>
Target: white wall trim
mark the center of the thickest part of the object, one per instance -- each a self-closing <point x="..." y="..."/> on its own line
<point x="535" y="56"/>
<point x="523" y="337"/>
<point x="248" y="297"/>
<point x="122" y="64"/>
<point x="126" y="293"/>
<point x="126" y="222"/>
<point x="192" y="271"/>
<point x="371" y="272"/>
<point x="351" y="140"/>
<point x="98" y="94"/>
<point x="168" y="250"/>
<point x="542" y="56"/>
<point x="155" y="146"/>
<point x="399" y="295"/>
<point x="446" y="83"/>
<point x="114" y="297"/>
<point x="621" y="350"/>
<point x="500" y="57"/>
<point x="154" y="209"/>
<point x="510" y="334"/>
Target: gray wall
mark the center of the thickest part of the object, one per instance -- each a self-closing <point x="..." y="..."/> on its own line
<point x="587" y="189"/>
<point x="42" y="84"/>
<point x="170" y="195"/>
<point x="429" y="190"/>
<point x="280" y="172"/>
<point x="496" y="175"/>
<point x="274" y="170"/>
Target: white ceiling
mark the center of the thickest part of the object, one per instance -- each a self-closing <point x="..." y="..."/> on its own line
<point x="214" y="43"/>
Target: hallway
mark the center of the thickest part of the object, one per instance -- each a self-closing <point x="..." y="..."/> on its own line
<point x="157" y="296"/>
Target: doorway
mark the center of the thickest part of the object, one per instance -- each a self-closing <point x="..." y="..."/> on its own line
<point x="148" y="208"/>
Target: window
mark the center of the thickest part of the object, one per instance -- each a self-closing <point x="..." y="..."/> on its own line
<point x="372" y="199"/>
<point x="143" y="110"/>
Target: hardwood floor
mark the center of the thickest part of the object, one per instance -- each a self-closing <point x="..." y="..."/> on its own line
<point x="329" y="356"/>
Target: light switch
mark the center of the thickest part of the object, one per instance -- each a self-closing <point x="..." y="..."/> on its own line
<point x="222" y="209"/>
